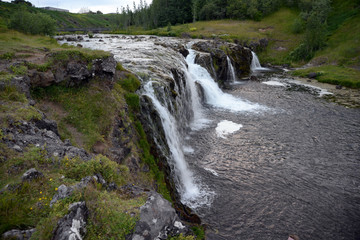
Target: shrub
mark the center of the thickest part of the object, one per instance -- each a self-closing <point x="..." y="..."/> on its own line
<point x="130" y="84"/>
<point x="32" y="23"/>
<point x="297" y="26"/>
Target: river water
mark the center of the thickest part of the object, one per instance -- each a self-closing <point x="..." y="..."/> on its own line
<point x="275" y="158"/>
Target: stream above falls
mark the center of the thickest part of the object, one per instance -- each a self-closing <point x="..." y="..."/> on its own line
<point x="263" y="159"/>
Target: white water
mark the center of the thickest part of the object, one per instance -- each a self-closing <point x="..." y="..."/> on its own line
<point x="213" y="94"/>
<point x="226" y="127"/>
<point x="274" y="83"/>
<point x="192" y="193"/>
<point x="255" y="64"/>
<point x="231" y="70"/>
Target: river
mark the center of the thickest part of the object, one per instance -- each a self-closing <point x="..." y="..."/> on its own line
<point x="268" y="158"/>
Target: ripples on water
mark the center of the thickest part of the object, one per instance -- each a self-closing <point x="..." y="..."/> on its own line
<point x="295" y="171"/>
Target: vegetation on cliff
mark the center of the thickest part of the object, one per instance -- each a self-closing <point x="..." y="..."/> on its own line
<point x="98" y="114"/>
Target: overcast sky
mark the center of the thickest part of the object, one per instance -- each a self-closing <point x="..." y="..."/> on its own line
<point x="105" y="6"/>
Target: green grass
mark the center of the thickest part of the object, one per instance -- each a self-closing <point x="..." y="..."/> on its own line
<point x="90" y="109"/>
<point x="111" y="215"/>
<point x="334" y="75"/>
<point x="276" y="27"/>
<point x="28" y="204"/>
<point x="343" y="47"/>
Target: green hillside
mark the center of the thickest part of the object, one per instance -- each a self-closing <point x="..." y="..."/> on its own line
<point x="64" y="20"/>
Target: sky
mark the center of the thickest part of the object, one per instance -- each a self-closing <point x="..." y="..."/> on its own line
<point x="105" y="6"/>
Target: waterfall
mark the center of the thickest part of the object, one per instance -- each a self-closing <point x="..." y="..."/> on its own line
<point x="231" y="70"/>
<point x="213" y="94"/>
<point x="191" y="191"/>
<point x="255" y="64"/>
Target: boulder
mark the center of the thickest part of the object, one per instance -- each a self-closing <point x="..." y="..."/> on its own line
<point x="16" y="234"/>
<point x="158" y="219"/>
<point x="312" y="75"/>
<point x="41" y="79"/>
<point x="73" y="225"/>
<point x="31" y="174"/>
<point x="47" y="124"/>
<point x="62" y="192"/>
<point x="78" y="73"/>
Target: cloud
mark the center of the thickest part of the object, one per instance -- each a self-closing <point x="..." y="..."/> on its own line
<point x="105" y="6"/>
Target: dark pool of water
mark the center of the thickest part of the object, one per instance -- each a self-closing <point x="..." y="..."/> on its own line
<point x="292" y="170"/>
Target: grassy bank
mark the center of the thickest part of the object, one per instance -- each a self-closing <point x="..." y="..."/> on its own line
<point x="85" y="115"/>
<point x="339" y="62"/>
<point x="277" y="28"/>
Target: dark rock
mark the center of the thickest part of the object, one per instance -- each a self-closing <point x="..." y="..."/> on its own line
<point x="99" y="178"/>
<point x="62" y="192"/>
<point x="16" y="234"/>
<point x="32" y="174"/>
<point x="80" y="38"/>
<point x="41" y="79"/>
<point x="145" y="168"/>
<point x="71" y="39"/>
<point x="48" y="125"/>
<point x="78" y="73"/>
<point x="157" y="219"/>
<point x="183" y="51"/>
<point x="112" y="187"/>
<point x="264" y="42"/>
<point x="339" y="87"/>
<point x="254" y="78"/>
<point x="205" y="60"/>
<point x="79" y="45"/>
<point x="218" y="65"/>
<point x="73" y="225"/>
<point x="21" y="83"/>
<point x="185" y="35"/>
<point x="104" y="66"/>
<point x="312" y="75"/>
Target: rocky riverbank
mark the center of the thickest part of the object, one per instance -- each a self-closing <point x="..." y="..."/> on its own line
<point x="81" y="175"/>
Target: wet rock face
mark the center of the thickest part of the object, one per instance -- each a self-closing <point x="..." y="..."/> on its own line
<point x="73" y="225"/>
<point x="213" y="57"/>
<point x="158" y="220"/>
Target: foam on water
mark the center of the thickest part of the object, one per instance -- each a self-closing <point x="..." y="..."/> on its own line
<point x="274" y="83"/>
<point x="226" y="127"/>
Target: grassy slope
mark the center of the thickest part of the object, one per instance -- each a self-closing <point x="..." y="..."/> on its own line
<point x="28" y="205"/>
<point x="64" y="20"/>
<point x="276" y="28"/>
<point x="339" y="61"/>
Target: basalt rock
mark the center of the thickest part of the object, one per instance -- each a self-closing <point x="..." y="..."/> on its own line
<point x="26" y="134"/>
<point x="214" y="56"/>
<point x="32" y="174"/>
<point x="158" y="220"/>
<point x="16" y="234"/>
<point x="73" y="225"/>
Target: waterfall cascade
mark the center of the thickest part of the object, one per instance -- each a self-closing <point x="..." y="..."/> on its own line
<point x="214" y="96"/>
<point x="231" y="70"/>
<point x="255" y="64"/>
